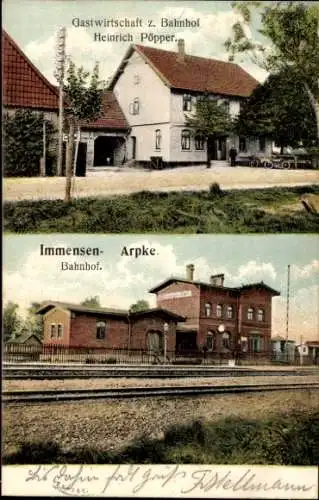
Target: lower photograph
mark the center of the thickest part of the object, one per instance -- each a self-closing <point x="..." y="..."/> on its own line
<point x="153" y="354"/>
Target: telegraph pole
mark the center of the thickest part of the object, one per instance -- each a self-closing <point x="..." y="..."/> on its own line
<point x="287" y="309"/>
<point x="59" y="74"/>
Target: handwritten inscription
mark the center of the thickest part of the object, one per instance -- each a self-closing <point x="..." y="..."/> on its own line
<point x="89" y="480"/>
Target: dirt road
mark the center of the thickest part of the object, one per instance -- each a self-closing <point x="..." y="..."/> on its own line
<point x="117" y="181"/>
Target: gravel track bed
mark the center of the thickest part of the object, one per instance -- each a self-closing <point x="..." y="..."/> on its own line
<point x="108" y="383"/>
<point x="113" y="424"/>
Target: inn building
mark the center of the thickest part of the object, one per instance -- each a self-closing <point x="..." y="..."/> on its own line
<point x="145" y="108"/>
<point x="190" y="316"/>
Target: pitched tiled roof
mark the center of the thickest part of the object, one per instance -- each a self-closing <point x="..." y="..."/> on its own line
<point x="23" y="84"/>
<point x="173" y="279"/>
<point x="47" y="306"/>
<point x="112" y="115"/>
<point x="199" y="73"/>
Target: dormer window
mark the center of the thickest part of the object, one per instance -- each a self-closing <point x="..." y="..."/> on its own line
<point x="187" y="102"/>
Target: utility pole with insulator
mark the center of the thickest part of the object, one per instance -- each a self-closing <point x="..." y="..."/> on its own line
<point x="287" y="309"/>
<point x="59" y="75"/>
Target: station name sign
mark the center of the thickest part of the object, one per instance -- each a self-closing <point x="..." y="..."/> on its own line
<point x="176" y="295"/>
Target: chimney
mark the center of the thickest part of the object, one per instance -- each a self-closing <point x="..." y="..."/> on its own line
<point x="190" y="272"/>
<point x="217" y="280"/>
<point x="181" y="50"/>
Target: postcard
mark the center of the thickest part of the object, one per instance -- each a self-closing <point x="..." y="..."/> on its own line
<point x="160" y="271"/>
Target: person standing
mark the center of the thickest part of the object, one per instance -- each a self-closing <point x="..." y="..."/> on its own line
<point x="232" y="156"/>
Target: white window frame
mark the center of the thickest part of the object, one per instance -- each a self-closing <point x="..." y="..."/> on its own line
<point x="208" y="309"/>
<point x="230" y="312"/>
<point x="187" y="102"/>
<point x="219" y="311"/>
<point x="100" y="324"/>
<point x="158" y="139"/>
<point x="250" y="313"/>
<point x="185" y="139"/>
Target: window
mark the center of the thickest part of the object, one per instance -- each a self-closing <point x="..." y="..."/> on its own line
<point x="186" y="139"/>
<point x="187" y="102"/>
<point x="229" y="312"/>
<point x="262" y="144"/>
<point x="135" y="106"/>
<point x="244" y="344"/>
<point x="53" y="330"/>
<point x="242" y="144"/>
<point x="199" y="141"/>
<point x="250" y="313"/>
<point x="208" y="309"/>
<point x="226" y="105"/>
<point x="100" y="329"/>
<point x="137" y="79"/>
<point x="158" y="139"/>
<point x="210" y="341"/>
<point x="260" y="315"/>
<point x="256" y="344"/>
<point x="226" y="340"/>
<point x="219" y="311"/>
<point x="60" y="330"/>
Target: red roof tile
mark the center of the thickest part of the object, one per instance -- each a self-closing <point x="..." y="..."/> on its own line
<point x="112" y="115"/>
<point x="23" y="84"/>
<point x="198" y="73"/>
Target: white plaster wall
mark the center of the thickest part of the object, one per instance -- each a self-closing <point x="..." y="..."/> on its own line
<point x="153" y="95"/>
<point x="179" y="155"/>
<point x="145" y="142"/>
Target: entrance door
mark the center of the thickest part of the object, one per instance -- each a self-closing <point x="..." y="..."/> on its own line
<point x="133" y="147"/>
<point x="155" y="341"/>
<point x="81" y="160"/>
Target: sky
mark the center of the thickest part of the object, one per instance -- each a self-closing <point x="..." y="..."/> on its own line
<point x="33" y="25"/>
<point x="123" y="280"/>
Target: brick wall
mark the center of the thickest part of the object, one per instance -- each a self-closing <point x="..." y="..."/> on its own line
<point x="141" y="327"/>
<point x="83" y="331"/>
<point x="185" y="306"/>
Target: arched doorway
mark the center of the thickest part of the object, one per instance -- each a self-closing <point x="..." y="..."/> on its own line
<point x="154" y="341"/>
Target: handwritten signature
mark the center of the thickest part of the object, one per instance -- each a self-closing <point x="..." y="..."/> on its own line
<point x="80" y="481"/>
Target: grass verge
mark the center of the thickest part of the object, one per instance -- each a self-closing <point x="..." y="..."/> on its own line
<point x="286" y="439"/>
<point x="213" y="211"/>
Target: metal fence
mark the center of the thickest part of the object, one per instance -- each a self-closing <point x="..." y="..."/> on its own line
<point x="99" y="355"/>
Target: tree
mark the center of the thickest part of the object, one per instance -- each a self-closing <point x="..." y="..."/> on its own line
<point x="210" y="120"/>
<point x="11" y="321"/>
<point x="33" y="323"/>
<point x="140" y="305"/>
<point x="280" y="109"/>
<point x="91" y="302"/>
<point x="83" y="103"/>
<point x="291" y="33"/>
<point x="23" y="142"/>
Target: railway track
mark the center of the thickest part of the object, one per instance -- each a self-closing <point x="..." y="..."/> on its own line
<point x="42" y="371"/>
<point x="40" y="397"/>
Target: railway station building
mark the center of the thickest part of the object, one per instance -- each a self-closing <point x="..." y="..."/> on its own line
<point x="191" y="316"/>
<point x="218" y="318"/>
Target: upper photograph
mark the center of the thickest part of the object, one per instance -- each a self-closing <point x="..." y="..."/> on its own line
<point x="156" y="117"/>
